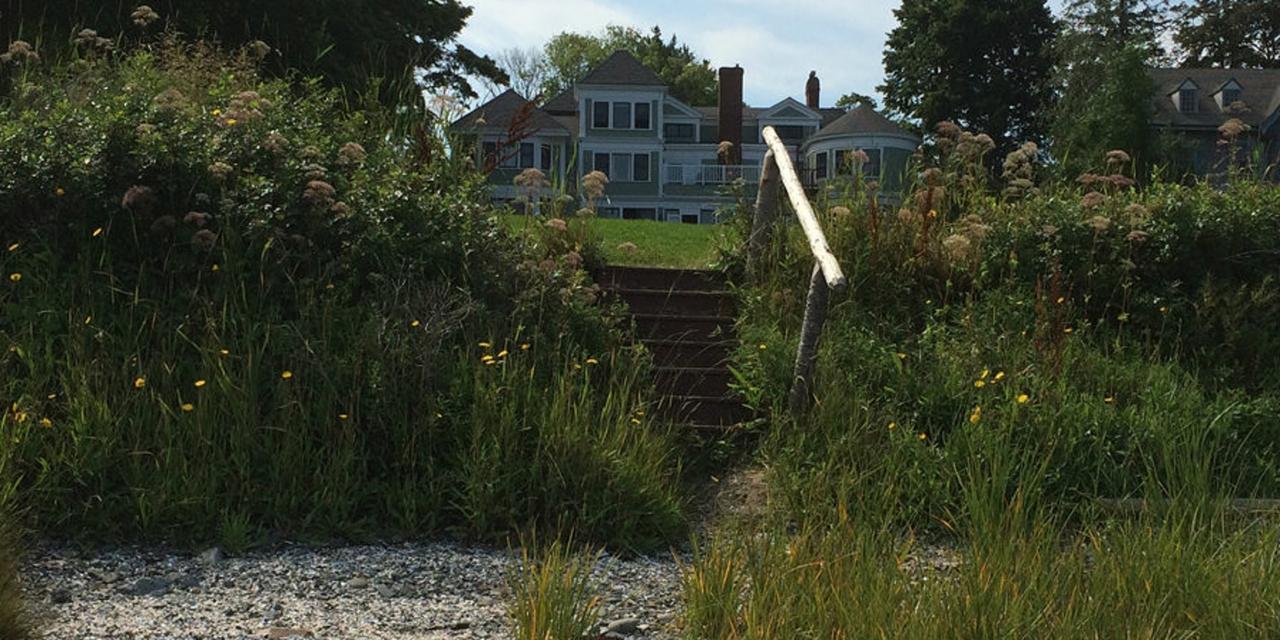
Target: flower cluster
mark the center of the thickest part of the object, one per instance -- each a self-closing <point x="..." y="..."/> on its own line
<point x="20" y="52"/>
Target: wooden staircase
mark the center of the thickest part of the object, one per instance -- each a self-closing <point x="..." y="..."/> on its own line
<point x="685" y="318"/>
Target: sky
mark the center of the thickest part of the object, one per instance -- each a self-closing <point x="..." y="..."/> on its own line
<point x="777" y="42"/>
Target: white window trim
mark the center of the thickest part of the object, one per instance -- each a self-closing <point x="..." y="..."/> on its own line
<point x="613" y="125"/>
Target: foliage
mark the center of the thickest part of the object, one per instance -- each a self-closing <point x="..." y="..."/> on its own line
<point x="643" y="242"/>
<point x="1230" y="33"/>
<point x="552" y="592"/>
<point x="234" y="307"/>
<point x="1095" y="27"/>
<point x="15" y="621"/>
<point x="1105" y="104"/>
<point x="855" y="99"/>
<point x="350" y="44"/>
<point x="571" y="56"/>
<point x="526" y="72"/>
<point x="984" y="65"/>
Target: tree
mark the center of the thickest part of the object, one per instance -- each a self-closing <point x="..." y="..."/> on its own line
<point x="855" y="99"/>
<point x="1111" y="25"/>
<point x="984" y="64"/>
<point x="527" y="71"/>
<point x="1230" y="33"/>
<point x="571" y="56"/>
<point x="399" y="45"/>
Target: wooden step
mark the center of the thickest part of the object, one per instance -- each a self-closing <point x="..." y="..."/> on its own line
<point x="693" y="381"/>
<point x="660" y="279"/>
<point x="667" y="301"/>
<point x="690" y="353"/>
<point x="656" y="326"/>
<point x="706" y="410"/>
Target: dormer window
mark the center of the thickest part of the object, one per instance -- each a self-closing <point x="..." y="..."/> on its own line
<point x="1230" y="97"/>
<point x="1187" y="100"/>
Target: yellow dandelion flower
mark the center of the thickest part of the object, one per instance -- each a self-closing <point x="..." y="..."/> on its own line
<point x="893" y="425"/>
<point x="1068" y="330"/>
<point x="187" y="407"/>
<point x="1109" y="399"/>
<point x="763" y="346"/>
<point x="223" y="352"/>
<point x="635" y="421"/>
<point x="15" y="277"/>
<point x="524" y="347"/>
<point x="1164" y="309"/>
<point x="984" y="374"/>
<point x="999" y="376"/>
<point x="922" y="437"/>
<point x="490" y="362"/>
<point x="933" y="213"/>
<point x="88" y="320"/>
<point x="1061" y="299"/>
<point x="201" y="383"/>
<point x="59" y="192"/>
<point x="139" y="383"/>
<point x="14" y="247"/>
<point x="979" y="383"/>
<point x="640" y="412"/>
<point x="502" y="354"/>
<point x="486" y="345"/>
<point x="592" y="361"/>
<point x="286" y="375"/>
<point x="217" y="112"/>
<point x="343" y="417"/>
<point x="231" y="122"/>
<point x="46" y="423"/>
<point x="576" y="366"/>
<point x="52" y="396"/>
<point x="1023" y="398"/>
<point x="486" y="358"/>
<point x="20" y="417"/>
<point x="975" y="415"/>
<point x="415" y="324"/>
<point x="901" y="356"/>
<point x="329" y="286"/>
<point x="97" y="232"/>
<point x="215" y="267"/>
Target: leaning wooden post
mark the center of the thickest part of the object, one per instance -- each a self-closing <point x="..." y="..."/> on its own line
<point x="766" y="211"/>
<point x="815" y="315"/>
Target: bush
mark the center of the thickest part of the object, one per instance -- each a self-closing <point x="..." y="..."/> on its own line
<point x="235" y="307"/>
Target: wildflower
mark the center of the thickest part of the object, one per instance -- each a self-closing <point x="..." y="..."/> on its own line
<point x="1117" y="158"/>
<point x="532" y="181"/>
<point x="901" y="356"/>
<point x="188" y="407"/>
<point x="635" y="421"/>
<point x="20" y="51"/>
<point x="1068" y="330"/>
<point x="957" y="248"/>
<point x="557" y="224"/>
<point x="196" y="219"/>
<point x="975" y="415"/>
<point x="46" y="423"/>
<point x="340" y="210"/>
<point x="313" y="171"/>
<point x="1092" y="200"/>
<point x="724" y="150"/>
<point x="223" y="352"/>
<point x="220" y="171"/>
<point x="948" y="129"/>
<point x="1164" y="309"/>
<point x="217" y="112"/>
<point x="486" y="345"/>
<point x="1100" y="223"/>
<point x="14" y="247"/>
<point x="258" y="49"/>
<point x="524" y="346"/>
<point x="144" y="15"/>
<point x="204" y="239"/>
<point x="139" y="383"/>
<point x="215" y="268"/>
<point x="343" y="417"/>
<point x="486" y="358"/>
<point x="979" y="383"/>
<point x="1232" y="128"/>
<point x="200" y="384"/>
<point x="139" y="200"/>
<point x="163" y="226"/>
<point x="15" y="277"/>
<point x="1023" y="398"/>
<point x="593" y="185"/>
<point x="319" y="193"/>
<point x="922" y="437"/>
<point x="491" y="361"/>
<point x="502" y="354"/>
<point x="1061" y="299"/>
<point x="893" y="425"/>
<point x="763" y="346"/>
<point x="415" y="324"/>
<point x="984" y="374"/>
<point x="88" y="320"/>
<point x="286" y="375"/>
<point x="1137" y="236"/>
<point x="1109" y="399"/>
<point x="592" y="361"/>
<point x="628" y="248"/>
<point x="351" y="154"/>
<point x="275" y="143"/>
<point x="999" y="376"/>
<point x="576" y="366"/>
<point x="96" y="232"/>
<point x="932" y="176"/>
<point x="231" y="122"/>
<point x="59" y="191"/>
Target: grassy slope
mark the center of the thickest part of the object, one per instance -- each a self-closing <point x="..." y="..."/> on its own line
<point x="658" y="244"/>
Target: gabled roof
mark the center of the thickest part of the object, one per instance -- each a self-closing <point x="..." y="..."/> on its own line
<point x="861" y="120"/>
<point x="680" y="107"/>
<point x="1260" y="92"/>
<point x="563" y="104"/>
<point x="622" y="68"/>
<point x="501" y="111"/>
<point x="789" y="104"/>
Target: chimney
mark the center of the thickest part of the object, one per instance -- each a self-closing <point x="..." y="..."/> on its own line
<point x="812" y="91"/>
<point x="731" y="113"/>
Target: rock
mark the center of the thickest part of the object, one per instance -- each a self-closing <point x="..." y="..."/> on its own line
<point x="387" y="590"/>
<point x="279" y="633"/>
<point x="622" y="627"/>
<point x="148" y="587"/>
<point x="213" y="555"/>
<point x="107" y="577"/>
<point x="358" y="582"/>
<point x="60" y="596"/>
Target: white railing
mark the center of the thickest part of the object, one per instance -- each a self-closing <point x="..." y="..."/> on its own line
<point x="777" y="170"/>
<point x="708" y="174"/>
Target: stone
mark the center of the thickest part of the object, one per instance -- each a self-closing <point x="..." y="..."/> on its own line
<point x="60" y="596"/>
<point x="387" y="590"/>
<point x="280" y="633"/>
<point x="148" y="587"/>
<point x="622" y="626"/>
<point x="213" y="555"/>
<point x="358" y="582"/>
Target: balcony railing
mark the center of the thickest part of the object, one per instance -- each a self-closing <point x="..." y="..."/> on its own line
<point x="709" y="174"/>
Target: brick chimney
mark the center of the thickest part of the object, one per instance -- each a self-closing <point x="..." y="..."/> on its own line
<point x="812" y="91"/>
<point x="731" y="113"/>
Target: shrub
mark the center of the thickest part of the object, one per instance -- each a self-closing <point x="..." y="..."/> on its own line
<point x="552" y="593"/>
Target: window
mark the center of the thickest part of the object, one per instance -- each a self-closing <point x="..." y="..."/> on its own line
<point x="843" y="164"/>
<point x="640" y="167"/>
<point x="680" y="132"/>
<point x="526" y="155"/>
<point x="489" y="154"/>
<point x="871" y="168"/>
<point x="672" y="215"/>
<point x="1187" y="100"/>
<point x="1229" y="97"/>
<point x="621" y="164"/>
<point x="790" y="132"/>
<point x="600" y="115"/>
<point x="600" y="162"/>
<point x="642" y="115"/>
<point x="637" y="213"/>
<point x="608" y="212"/>
<point x="545" y="157"/>
<point x="689" y="218"/>
<point x="622" y="115"/>
<point x="820" y="165"/>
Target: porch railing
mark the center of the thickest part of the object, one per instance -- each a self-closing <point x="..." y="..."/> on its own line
<point x="708" y="174"/>
<point x="778" y="170"/>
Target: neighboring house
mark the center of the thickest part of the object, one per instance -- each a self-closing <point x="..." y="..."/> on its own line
<point x="1193" y="104"/>
<point x="663" y="157"/>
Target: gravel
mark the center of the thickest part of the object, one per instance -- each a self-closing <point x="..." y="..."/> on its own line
<point x="420" y="591"/>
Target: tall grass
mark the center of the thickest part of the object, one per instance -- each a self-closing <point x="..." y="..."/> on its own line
<point x="553" y="593"/>
<point x="15" y="619"/>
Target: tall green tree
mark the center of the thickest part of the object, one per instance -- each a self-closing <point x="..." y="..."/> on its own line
<point x="984" y="64"/>
<point x="1106" y="26"/>
<point x="855" y="99"/>
<point x="570" y="56"/>
<point x="401" y="45"/>
<point x="1230" y="33"/>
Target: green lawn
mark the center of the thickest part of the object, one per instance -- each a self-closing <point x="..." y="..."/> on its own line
<point x="657" y="244"/>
